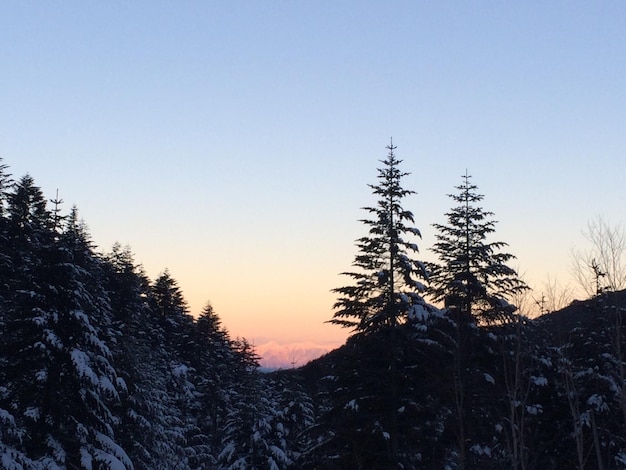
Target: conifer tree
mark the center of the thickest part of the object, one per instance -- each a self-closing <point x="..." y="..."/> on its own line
<point x="472" y="276"/>
<point x="170" y="307"/>
<point x="11" y="430"/>
<point x="385" y="297"/>
<point x="387" y="287"/>
<point x="6" y="268"/>
<point x="5" y="184"/>
<point x="167" y="299"/>
<point x="150" y="422"/>
<point x="255" y="432"/>
<point x="475" y="285"/>
<point x="209" y="325"/>
<point x="214" y="358"/>
<point x="61" y="385"/>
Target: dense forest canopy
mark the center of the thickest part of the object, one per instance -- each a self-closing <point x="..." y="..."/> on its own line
<point x="102" y="367"/>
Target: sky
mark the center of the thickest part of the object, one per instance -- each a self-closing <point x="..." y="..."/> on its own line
<point x="232" y="142"/>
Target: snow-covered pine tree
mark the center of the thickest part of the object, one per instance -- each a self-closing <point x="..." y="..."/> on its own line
<point x="150" y="421"/>
<point x="85" y="328"/>
<point x="167" y="298"/>
<point x="61" y="387"/>
<point x="241" y="439"/>
<point x="295" y="413"/>
<point x="26" y="238"/>
<point x="11" y="432"/>
<point x="387" y="288"/>
<point x="5" y="184"/>
<point x="6" y="268"/>
<point x="256" y="431"/>
<point x="214" y="359"/>
<point x="474" y="283"/>
<point x="382" y="305"/>
<point x="170" y="308"/>
<point x="472" y="276"/>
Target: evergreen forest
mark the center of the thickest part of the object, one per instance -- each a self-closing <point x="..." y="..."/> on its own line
<point x="102" y="367"/>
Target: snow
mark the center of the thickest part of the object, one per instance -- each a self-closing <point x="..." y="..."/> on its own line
<point x="8" y="459"/>
<point x="80" y="316"/>
<point x="280" y="455"/>
<point x="121" y="384"/>
<point x="107" y="386"/>
<point x="584" y="373"/>
<point x="539" y="381"/>
<point x="33" y="413"/>
<point x="597" y="401"/>
<point x="546" y="361"/>
<point x="6" y="417"/>
<point x="621" y="458"/>
<point x="30" y="293"/>
<point x="481" y="450"/>
<point x="585" y="419"/>
<point x="418" y="312"/>
<point x="352" y="405"/>
<point x="57" y="449"/>
<point x="534" y="409"/>
<point x="52" y="339"/>
<point x="489" y="378"/>
<point x="86" y="460"/>
<point x="115" y="456"/>
<point x="81" y="361"/>
<point x="98" y="344"/>
<point x="180" y="370"/>
<point x="39" y="321"/>
<point x="429" y="342"/>
<point x="41" y="376"/>
<point x="227" y="451"/>
<point x="110" y="461"/>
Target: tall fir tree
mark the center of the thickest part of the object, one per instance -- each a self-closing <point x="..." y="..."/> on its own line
<point x="385" y="298"/>
<point x="472" y="276"/>
<point x="387" y="287"/>
<point x="475" y="285"/>
<point x="214" y="359"/>
<point x="6" y="182"/>
<point x="61" y="386"/>
<point x="12" y="431"/>
<point x="6" y="264"/>
<point x="170" y="307"/>
<point x="150" y="423"/>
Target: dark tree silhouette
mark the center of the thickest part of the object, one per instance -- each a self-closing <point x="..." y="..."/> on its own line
<point x="472" y="276"/>
<point x="386" y="289"/>
<point x="475" y="285"/>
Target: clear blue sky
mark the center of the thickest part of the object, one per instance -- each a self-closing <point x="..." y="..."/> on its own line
<point x="232" y="142"/>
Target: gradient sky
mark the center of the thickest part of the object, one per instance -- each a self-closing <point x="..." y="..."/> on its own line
<point x="232" y="142"/>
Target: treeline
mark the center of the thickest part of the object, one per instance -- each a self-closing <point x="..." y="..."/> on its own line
<point x="103" y="368"/>
<point x="472" y="384"/>
<point x="525" y="394"/>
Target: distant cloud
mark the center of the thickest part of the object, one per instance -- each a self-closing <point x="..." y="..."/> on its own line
<point x="284" y="356"/>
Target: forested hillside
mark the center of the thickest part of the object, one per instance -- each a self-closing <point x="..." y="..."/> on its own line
<point x="101" y="367"/>
<point x="104" y="368"/>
